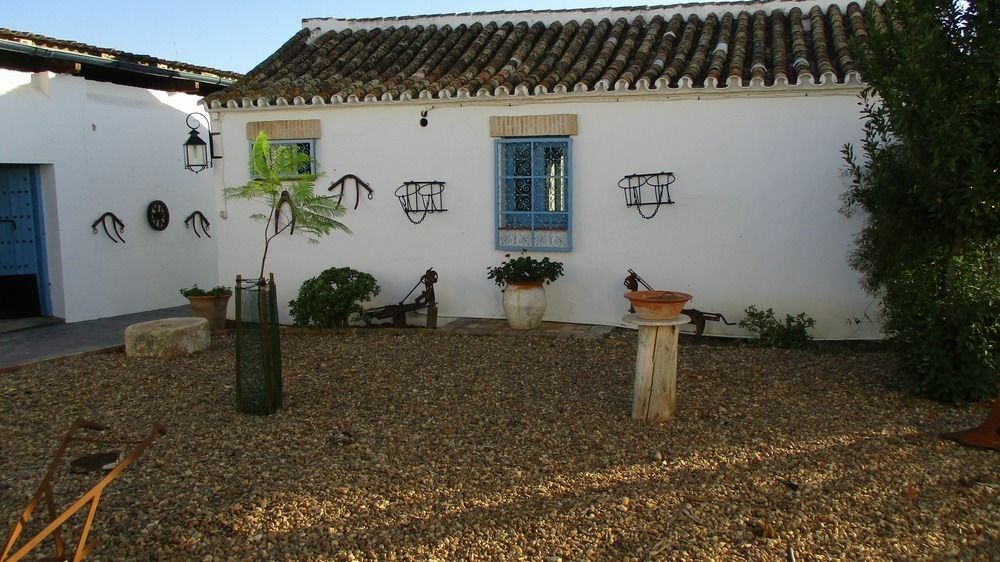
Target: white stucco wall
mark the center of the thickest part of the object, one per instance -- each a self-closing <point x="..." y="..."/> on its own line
<point x="755" y="221"/>
<point x="105" y="147"/>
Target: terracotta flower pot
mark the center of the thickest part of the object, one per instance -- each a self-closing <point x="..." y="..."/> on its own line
<point x="657" y="305"/>
<point x="524" y="304"/>
<point x="213" y="309"/>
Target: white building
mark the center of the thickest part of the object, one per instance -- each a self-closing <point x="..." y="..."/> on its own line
<point x="748" y="104"/>
<point x="90" y="131"/>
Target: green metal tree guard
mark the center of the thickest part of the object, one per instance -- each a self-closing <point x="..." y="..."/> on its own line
<point x="258" y="347"/>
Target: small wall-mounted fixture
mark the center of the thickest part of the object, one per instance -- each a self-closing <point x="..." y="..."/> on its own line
<point x="202" y="221"/>
<point x="197" y="154"/>
<point x="358" y="184"/>
<point x="117" y="226"/>
<point x="657" y="185"/>
<point x="420" y="198"/>
<point x="423" y="118"/>
<point x="157" y="215"/>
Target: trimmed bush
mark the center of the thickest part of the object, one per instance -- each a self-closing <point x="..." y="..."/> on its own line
<point x="329" y="299"/>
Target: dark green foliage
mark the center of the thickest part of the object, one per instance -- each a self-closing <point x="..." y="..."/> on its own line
<point x="195" y="291"/>
<point x="930" y="190"/>
<point x="769" y="332"/>
<point x="524" y="269"/>
<point x="329" y="299"/>
<point x="943" y="319"/>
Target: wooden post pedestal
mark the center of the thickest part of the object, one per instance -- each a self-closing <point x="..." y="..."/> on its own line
<point x="654" y="395"/>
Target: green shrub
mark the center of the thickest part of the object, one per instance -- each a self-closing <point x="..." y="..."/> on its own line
<point x="928" y="190"/>
<point x="196" y="291"/>
<point x="329" y="299"/>
<point x="769" y="332"/>
<point x="941" y="318"/>
<point x="524" y="269"/>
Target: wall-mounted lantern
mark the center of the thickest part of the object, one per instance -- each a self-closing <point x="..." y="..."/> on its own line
<point x="197" y="154"/>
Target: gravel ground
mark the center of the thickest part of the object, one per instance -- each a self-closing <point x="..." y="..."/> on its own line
<point x="422" y="445"/>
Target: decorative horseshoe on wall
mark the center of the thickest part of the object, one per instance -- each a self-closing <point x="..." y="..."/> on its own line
<point x="117" y="226"/>
<point x="189" y="223"/>
<point x="358" y="184"/>
<point x="157" y="215"/>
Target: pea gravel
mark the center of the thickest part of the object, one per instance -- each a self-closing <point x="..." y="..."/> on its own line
<point x="413" y="444"/>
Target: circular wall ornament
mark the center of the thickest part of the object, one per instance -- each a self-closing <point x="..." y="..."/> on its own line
<point x="157" y="215"/>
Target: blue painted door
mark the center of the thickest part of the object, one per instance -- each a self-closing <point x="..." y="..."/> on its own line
<point x="22" y="265"/>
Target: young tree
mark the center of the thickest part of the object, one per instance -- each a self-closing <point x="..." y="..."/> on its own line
<point x="930" y="189"/>
<point x="287" y="195"/>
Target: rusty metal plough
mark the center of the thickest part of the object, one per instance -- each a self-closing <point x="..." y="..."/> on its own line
<point x="91" y="498"/>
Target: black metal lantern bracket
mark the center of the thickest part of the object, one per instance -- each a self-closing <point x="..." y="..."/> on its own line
<point x="198" y="156"/>
<point x="417" y="198"/>
<point x="659" y="182"/>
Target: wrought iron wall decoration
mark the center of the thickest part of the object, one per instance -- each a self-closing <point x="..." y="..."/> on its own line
<point x="358" y="184"/>
<point x="657" y="183"/>
<point x="419" y="198"/>
<point x="117" y="226"/>
<point x="157" y="215"/>
<point x="202" y="221"/>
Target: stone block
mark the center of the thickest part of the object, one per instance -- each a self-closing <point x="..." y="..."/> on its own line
<point x="169" y="337"/>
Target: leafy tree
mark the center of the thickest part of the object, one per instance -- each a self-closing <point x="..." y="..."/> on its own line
<point x="930" y="189"/>
<point x="278" y="185"/>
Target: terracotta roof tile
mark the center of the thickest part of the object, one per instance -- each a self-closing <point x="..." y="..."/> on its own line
<point x="738" y="45"/>
<point x="68" y="46"/>
<point x="737" y="71"/>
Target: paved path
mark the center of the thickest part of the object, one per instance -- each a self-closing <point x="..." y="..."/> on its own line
<point x="37" y="344"/>
<point x="483" y="326"/>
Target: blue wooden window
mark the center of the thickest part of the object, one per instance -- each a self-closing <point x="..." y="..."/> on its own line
<point x="305" y="146"/>
<point x="533" y="187"/>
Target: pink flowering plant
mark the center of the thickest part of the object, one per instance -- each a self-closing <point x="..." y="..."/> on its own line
<point x="524" y="269"/>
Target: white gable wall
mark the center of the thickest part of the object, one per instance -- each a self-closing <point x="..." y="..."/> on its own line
<point x="755" y="220"/>
<point x="105" y="147"/>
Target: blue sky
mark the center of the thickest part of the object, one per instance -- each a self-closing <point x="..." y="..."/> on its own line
<point x="225" y="34"/>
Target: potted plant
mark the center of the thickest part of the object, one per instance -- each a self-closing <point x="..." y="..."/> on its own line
<point x="522" y="281"/>
<point x="291" y="206"/>
<point x="210" y="304"/>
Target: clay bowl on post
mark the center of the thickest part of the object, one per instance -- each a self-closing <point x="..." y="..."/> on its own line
<point x="657" y="305"/>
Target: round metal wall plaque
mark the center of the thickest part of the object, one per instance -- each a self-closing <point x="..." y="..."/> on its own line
<point x="158" y="215"/>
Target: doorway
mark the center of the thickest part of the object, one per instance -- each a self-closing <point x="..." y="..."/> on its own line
<point x="24" y="285"/>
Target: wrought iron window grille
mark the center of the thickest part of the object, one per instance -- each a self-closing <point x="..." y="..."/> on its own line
<point x="417" y="198"/>
<point x="358" y="184"/>
<point x="117" y="226"/>
<point x="304" y="146"/>
<point x="533" y="196"/>
<point x="190" y="223"/>
<point x="657" y="183"/>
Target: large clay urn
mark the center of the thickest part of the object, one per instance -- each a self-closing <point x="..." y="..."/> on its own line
<point x="524" y="304"/>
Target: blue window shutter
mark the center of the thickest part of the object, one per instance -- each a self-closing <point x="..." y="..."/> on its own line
<point x="533" y="193"/>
